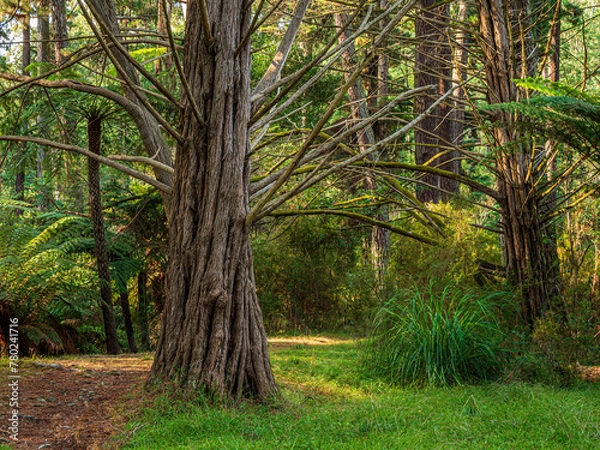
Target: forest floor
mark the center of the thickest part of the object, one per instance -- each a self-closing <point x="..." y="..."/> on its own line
<point x="83" y="402"/>
<point x="80" y="402"/>
<point x="74" y="402"/>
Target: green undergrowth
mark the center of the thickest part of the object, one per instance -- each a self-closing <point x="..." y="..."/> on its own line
<point x="328" y="403"/>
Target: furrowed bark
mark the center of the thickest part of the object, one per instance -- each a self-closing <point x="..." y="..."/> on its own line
<point x="212" y="336"/>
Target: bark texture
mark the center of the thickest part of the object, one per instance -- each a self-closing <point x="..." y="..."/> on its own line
<point x="212" y="336"/>
<point x="434" y="133"/>
<point x="106" y="304"/>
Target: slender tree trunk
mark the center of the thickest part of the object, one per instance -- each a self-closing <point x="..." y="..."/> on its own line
<point x="59" y="26"/>
<point x="434" y="132"/>
<point x="142" y="313"/>
<point x="162" y="22"/>
<point x="43" y="46"/>
<point x="25" y="62"/>
<point x="459" y="68"/>
<point x="106" y="304"/>
<point x="212" y="335"/>
<point x="360" y="109"/>
<point x="124" y="300"/>
<point x="552" y="72"/>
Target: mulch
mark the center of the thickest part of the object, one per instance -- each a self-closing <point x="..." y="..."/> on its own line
<point x="75" y="404"/>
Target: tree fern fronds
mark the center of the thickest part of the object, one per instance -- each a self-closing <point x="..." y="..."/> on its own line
<point x="555" y="89"/>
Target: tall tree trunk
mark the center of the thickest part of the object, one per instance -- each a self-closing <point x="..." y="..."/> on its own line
<point x="106" y="303"/>
<point x="124" y="300"/>
<point x="212" y="335"/>
<point x="162" y="22"/>
<point x="43" y="46"/>
<point x="459" y="75"/>
<point x="506" y="51"/>
<point x="142" y="313"/>
<point x="59" y="26"/>
<point x="552" y="72"/>
<point x="25" y="62"/>
<point x="433" y="67"/>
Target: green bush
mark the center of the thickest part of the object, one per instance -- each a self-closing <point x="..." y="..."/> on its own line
<point x="436" y="338"/>
<point x="312" y="278"/>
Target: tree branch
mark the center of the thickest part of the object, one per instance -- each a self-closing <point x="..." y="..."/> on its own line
<point x="74" y="148"/>
<point x="356" y="216"/>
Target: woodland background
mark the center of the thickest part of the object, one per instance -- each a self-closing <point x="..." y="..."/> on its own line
<point x="490" y="198"/>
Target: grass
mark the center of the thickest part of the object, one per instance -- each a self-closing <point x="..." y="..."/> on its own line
<point x="329" y="404"/>
<point x="436" y="338"/>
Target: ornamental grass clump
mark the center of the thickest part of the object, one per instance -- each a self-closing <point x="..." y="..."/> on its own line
<point x="430" y="338"/>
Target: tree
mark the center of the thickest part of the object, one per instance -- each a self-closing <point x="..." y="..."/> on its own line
<point x="212" y="333"/>
<point x="59" y="26"/>
<point x="110" y="328"/>
<point x="433" y="137"/>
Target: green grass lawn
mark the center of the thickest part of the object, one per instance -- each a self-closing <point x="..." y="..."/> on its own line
<point x="328" y="404"/>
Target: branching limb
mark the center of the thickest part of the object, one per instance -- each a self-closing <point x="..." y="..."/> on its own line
<point x="142" y="159"/>
<point x="74" y="148"/>
<point x="360" y="217"/>
<point x="262" y="208"/>
<point x="274" y="71"/>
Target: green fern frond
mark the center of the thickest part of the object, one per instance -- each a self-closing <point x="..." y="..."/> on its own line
<point x="554" y="89"/>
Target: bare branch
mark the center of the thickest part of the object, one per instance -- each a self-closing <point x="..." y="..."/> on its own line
<point x="74" y="148"/>
<point x="274" y="71"/>
<point x="356" y="216"/>
<point x="205" y="22"/>
<point x="143" y="159"/>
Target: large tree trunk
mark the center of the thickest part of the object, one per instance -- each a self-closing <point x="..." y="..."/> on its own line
<point x="106" y="303"/>
<point x="212" y="335"/>
<point x="529" y="268"/>
<point x="434" y="133"/>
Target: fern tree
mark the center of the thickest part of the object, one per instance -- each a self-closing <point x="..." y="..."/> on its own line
<point x="562" y="113"/>
<point x="45" y="280"/>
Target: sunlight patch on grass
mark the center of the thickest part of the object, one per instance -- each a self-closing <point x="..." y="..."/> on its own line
<point x="329" y="403"/>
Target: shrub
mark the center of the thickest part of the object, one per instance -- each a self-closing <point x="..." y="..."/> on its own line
<point x="436" y="338"/>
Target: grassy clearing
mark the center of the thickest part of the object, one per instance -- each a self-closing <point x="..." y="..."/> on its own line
<point x="329" y="404"/>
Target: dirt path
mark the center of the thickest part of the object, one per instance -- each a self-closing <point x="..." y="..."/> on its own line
<point x="70" y="404"/>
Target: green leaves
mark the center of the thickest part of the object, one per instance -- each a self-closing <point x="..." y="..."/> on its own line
<point x="561" y="113"/>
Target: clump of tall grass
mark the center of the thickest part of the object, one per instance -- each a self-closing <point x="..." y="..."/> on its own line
<point x="436" y="338"/>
